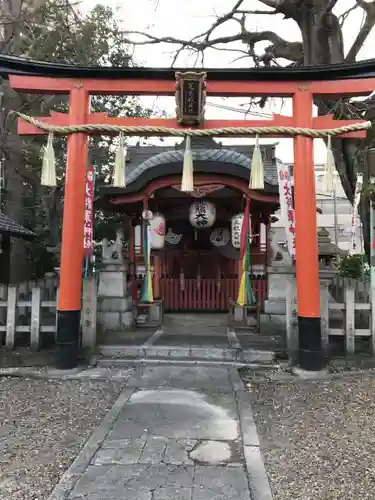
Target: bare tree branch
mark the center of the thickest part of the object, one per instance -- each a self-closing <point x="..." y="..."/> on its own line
<point x="343" y="17"/>
<point x="198" y="45"/>
<point x="366" y="6"/>
<point x="280" y="48"/>
<point x="257" y="12"/>
<point x="221" y="20"/>
<point x="368" y="25"/>
<point x="275" y="4"/>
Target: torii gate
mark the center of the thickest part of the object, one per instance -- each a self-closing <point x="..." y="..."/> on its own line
<point x="81" y="83"/>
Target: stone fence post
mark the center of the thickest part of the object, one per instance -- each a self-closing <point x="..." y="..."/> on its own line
<point x="89" y="313"/>
<point x="114" y="302"/>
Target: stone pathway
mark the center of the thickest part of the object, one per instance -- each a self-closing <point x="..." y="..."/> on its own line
<point x="175" y="433"/>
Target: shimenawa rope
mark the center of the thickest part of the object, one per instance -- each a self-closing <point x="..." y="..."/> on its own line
<point x="119" y="176"/>
<point x="228" y="131"/>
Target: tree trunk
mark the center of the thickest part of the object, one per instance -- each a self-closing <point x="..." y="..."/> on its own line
<point x="323" y="44"/>
<point x="14" y="189"/>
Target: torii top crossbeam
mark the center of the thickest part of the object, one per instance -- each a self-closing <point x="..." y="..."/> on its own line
<point x="301" y="84"/>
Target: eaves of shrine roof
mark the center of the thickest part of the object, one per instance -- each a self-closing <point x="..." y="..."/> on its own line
<point x="22" y="66"/>
<point x="207" y="157"/>
<point x="234" y="162"/>
<point x="10" y="227"/>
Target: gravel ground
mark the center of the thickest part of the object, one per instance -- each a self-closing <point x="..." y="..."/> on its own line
<point x="318" y="438"/>
<point x="43" y="425"/>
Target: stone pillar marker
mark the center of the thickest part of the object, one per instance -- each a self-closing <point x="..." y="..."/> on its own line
<point x="114" y="301"/>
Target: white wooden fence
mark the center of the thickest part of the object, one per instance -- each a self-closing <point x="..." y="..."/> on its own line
<point x="28" y="310"/>
<point x="349" y="317"/>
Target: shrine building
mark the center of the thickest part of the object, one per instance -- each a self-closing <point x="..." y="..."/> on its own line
<point x="199" y="213"/>
<point x="195" y="237"/>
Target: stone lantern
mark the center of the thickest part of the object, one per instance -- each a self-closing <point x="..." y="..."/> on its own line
<point x="327" y="251"/>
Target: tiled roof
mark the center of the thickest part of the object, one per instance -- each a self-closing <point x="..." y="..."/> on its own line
<point x="206" y="154"/>
<point x="211" y="155"/>
<point x="12" y="228"/>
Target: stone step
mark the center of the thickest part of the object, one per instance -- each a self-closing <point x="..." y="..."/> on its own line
<point x="144" y="352"/>
<point x="106" y="363"/>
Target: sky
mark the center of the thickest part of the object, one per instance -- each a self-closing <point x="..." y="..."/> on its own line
<point x="185" y="18"/>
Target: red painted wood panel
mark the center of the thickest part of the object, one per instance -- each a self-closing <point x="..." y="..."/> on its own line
<point x="207" y="295"/>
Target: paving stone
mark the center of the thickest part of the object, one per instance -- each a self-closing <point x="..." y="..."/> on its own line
<point x="177" y="452"/>
<point x="178" y="377"/>
<point x="253" y="356"/>
<point x="154" y="450"/>
<point x="153" y="376"/>
<point x="176" y="438"/>
<point x="155" y="352"/>
<point x="128" y="493"/>
<point x="169" y="493"/>
<point x="212" y="452"/>
<point x="179" y="352"/>
<point x="230" y="354"/>
<point x="176" y="414"/>
<point x="114" y="480"/>
<point x="220" y="483"/>
<point x="190" y="339"/>
<point x="130" y="454"/>
<point x="126" y="429"/>
<point x="236" y="380"/>
<point x="248" y="427"/>
<point x="226" y="401"/>
<point x="258" y="479"/>
<point x="116" y="443"/>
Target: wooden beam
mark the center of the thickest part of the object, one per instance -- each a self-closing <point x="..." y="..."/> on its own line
<point x="199" y="179"/>
<point x="343" y="88"/>
<point x="42" y="84"/>
<point x="62" y="119"/>
<point x="141" y="86"/>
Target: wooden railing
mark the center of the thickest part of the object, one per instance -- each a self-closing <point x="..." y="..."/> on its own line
<point x="206" y="293"/>
<point x="28" y="313"/>
<point x="28" y="310"/>
<point x="349" y="316"/>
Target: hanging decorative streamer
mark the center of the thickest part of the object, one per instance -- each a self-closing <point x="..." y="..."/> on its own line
<point x="245" y="292"/>
<point x="187" y="182"/>
<point x="286" y="207"/>
<point x="354" y="225"/>
<point x="88" y="225"/>
<point x="330" y="170"/>
<point x="48" y="177"/>
<point x="119" y="171"/>
<point x="147" y="295"/>
<point x="257" y="168"/>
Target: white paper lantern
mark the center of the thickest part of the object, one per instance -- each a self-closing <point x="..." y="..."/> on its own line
<point x="147" y="215"/>
<point x="157" y="224"/>
<point x="236" y="228"/>
<point x="202" y="214"/>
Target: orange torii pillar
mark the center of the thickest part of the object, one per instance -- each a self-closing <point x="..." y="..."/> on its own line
<point x="72" y="248"/>
<point x="310" y="350"/>
<point x="72" y="254"/>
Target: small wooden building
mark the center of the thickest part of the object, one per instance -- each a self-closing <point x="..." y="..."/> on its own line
<point x="9" y="228"/>
<point x="198" y="267"/>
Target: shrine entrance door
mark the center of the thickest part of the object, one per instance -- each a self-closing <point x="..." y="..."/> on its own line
<point x="197" y="280"/>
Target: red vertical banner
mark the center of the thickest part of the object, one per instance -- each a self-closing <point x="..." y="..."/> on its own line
<point x="88" y="228"/>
